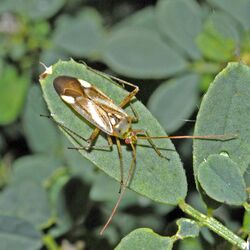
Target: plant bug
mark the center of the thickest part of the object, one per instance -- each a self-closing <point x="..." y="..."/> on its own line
<point x="98" y="109"/>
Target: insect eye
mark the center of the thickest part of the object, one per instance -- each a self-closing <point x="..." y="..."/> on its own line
<point x="127" y="141"/>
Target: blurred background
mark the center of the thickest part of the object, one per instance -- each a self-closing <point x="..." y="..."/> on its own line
<point x="172" y="49"/>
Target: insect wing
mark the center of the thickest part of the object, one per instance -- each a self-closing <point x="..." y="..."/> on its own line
<point x="93" y="113"/>
<point x="89" y="102"/>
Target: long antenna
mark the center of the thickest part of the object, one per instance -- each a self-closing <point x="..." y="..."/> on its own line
<point x="207" y="137"/>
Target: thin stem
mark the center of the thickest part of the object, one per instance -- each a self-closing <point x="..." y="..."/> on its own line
<point x="50" y="243"/>
<point x="214" y="225"/>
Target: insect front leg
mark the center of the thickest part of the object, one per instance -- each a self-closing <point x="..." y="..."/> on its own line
<point x="75" y="135"/>
<point x="145" y="133"/>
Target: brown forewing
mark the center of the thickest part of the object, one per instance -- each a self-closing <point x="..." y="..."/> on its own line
<point x="90" y="103"/>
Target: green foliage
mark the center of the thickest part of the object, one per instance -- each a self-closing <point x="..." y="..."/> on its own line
<point x="87" y="27"/>
<point x="174" y="28"/>
<point x="173" y="103"/>
<point x="19" y="234"/>
<point x="35" y="106"/>
<point x="229" y="91"/>
<point x="52" y="196"/>
<point x="13" y="87"/>
<point x="145" y="238"/>
<point x="141" y="53"/>
<point x="221" y="179"/>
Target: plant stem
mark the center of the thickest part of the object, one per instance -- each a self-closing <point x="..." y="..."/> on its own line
<point x="214" y="225"/>
<point x="50" y="242"/>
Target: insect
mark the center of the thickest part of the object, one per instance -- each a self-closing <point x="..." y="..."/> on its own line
<point x="97" y="108"/>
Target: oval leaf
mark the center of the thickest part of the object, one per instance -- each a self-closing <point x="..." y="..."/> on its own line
<point x="82" y="35"/>
<point x="34" y="9"/>
<point x="237" y="9"/>
<point x="225" y="109"/>
<point x="174" y="101"/>
<point x="182" y="33"/>
<point x="13" y="89"/>
<point x="155" y="177"/>
<point x="27" y="200"/>
<point x="221" y="179"/>
<point x="146" y="239"/>
<point x="38" y="168"/>
<point x="140" y="53"/>
<point x="144" y="18"/>
<point x="17" y="234"/>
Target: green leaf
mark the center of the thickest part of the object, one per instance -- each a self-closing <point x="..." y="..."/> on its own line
<point x="159" y="179"/>
<point x="42" y="135"/>
<point x="183" y="33"/>
<point x="225" y="110"/>
<point x="81" y="36"/>
<point x="237" y="9"/>
<point x="174" y="101"/>
<point x="221" y="179"/>
<point x="140" y="53"/>
<point x="17" y="234"/>
<point x="144" y="18"/>
<point x="27" y="200"/>
<point x="13" y="89"/>
<point x="218" y="40"/>
<point x="146" y="239"/>
<point x="38" y="168"/>
<point x="79" y="166"/>
<point x="63" y="218"/>
<point x="187" y="228"/>
<point x="33" y="9"/>
<point x="103" y="191"/>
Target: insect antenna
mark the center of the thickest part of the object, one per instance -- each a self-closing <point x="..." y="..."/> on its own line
<point x="124" y="187"/>
<point x="224" y="137"/>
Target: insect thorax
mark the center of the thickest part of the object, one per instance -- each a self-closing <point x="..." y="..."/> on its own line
<point x="122" y="128"/>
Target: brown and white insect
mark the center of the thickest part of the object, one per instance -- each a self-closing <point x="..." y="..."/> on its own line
<point x="110" y="118"/>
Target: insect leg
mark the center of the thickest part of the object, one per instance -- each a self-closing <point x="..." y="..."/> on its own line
<point x="127" y="182"/>
<point x="118" y="143"/>
<point x="135" y="117"/>
<point x="73" y="135"/>
<point x="128" y="98"/>
<point x="92" y="139"/>
<point x="144" y="132"/>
